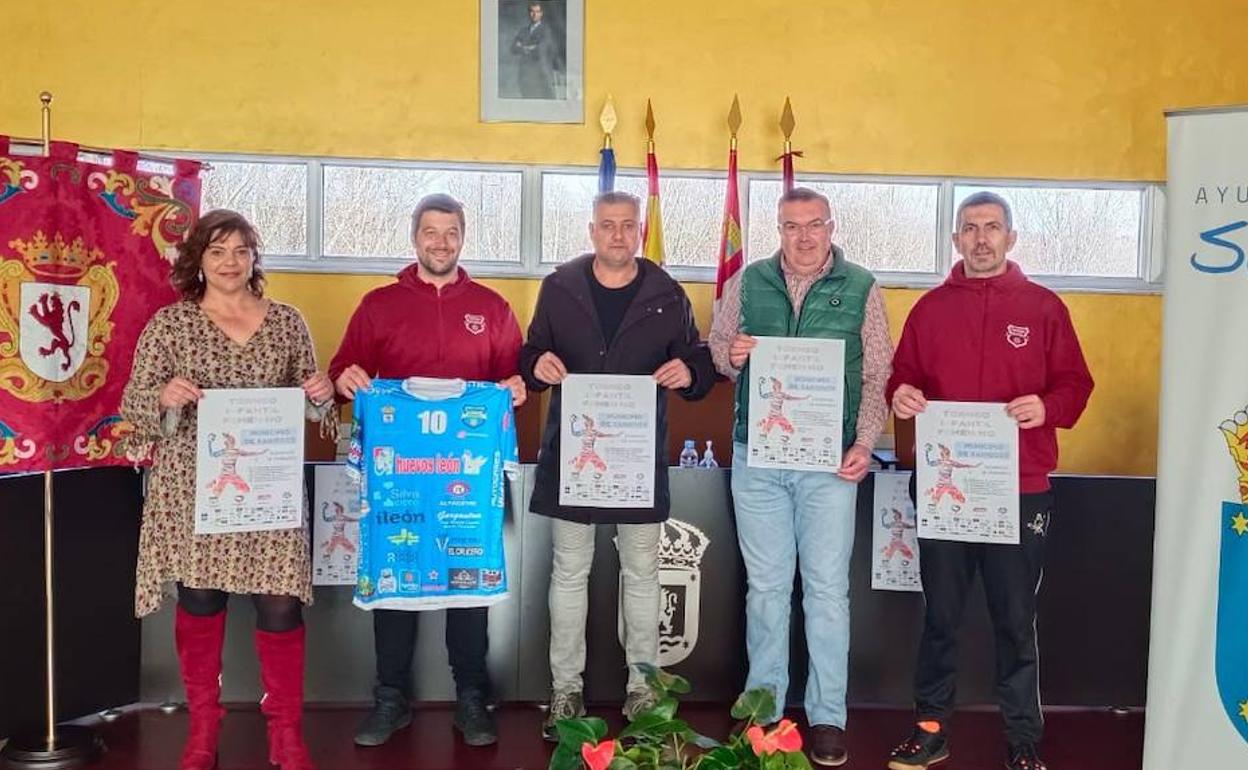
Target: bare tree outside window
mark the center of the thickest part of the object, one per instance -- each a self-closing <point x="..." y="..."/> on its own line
<point x="1085" y="233"/>
<point x="367" y="210"/>
<point x="692" y="215"/>
<point x="1072" y="231"/>
<point x="889" y="227"/>
<point x="273" y="197"/>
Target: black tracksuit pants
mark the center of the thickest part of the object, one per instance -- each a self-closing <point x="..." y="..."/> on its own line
<point x="467" y="642"/>
<point x="1011" y="576"/>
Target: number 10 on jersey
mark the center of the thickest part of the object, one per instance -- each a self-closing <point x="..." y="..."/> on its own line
<point x="432" y="422"/>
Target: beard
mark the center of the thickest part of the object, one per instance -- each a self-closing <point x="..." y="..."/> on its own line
<point x="434" y="268"/>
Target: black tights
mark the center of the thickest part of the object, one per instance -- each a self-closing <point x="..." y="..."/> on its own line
<point x="274" y="614"/>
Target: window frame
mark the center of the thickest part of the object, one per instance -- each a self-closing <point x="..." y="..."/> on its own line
<point x="1146" y="248"/>
<point x="907" y="279"/>
<point x="1147" y="280"/>
<point x="271" y="259"/>
<point x="689" y="273"/>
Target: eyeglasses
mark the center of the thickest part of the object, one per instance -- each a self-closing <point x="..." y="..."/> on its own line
<point x="817" y="227"/>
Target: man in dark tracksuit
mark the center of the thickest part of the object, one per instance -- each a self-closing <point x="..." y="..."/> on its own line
<point x="989" y="334"/>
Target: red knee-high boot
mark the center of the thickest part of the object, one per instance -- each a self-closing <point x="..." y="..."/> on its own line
<point x="281" y="672"/>
<point x="199" y="640"/>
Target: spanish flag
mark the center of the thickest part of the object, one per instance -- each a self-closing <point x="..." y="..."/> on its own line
<point x="652" y="236"/>
<point x="731" y="252"/>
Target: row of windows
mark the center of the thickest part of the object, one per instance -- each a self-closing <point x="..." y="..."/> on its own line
<point x="353" y="216"/>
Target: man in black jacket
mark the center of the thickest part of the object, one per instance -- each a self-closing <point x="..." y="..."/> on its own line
<point x="608" y="313"/>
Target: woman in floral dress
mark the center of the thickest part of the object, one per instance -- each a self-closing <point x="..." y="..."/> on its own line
<point x="223" y="334"/>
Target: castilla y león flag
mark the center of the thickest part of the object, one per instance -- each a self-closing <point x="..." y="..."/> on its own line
<point x="85" y="255"/>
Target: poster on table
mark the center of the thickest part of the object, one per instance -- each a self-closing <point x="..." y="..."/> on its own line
<point x="335" y="526"/>
<point x="966" y="456"/>
<point x="249" y="463"/>
<point x="797" y="402"/>
<point x="894" y="538"/>
<point x="607" y="441"/>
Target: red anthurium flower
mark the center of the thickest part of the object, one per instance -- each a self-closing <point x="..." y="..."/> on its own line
<point x="757" y="740"/>
<point x="784" y="737"/>
<point x="598" y="757"/>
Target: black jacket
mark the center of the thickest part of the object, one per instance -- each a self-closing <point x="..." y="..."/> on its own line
<point x="657" y="327"/>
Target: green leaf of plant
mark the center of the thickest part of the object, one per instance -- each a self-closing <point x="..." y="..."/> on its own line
<point x="674" y="727"/>
<point x="755" y="705"/>
<point x="652" y="728"/>
<point x="681" y="686"/>
<point x="564" y="758"/>
<point x="748" y="757"/>
<point x="642" y="725"/>
<point x="665" y="708"/>
<point x="573" y="733"/>
<point x="703" y="741"/>
<point x="796" y="760"/>
<point x="663" y="682"/>
<point x="721" y="758"/>
<point x="622" y="763"/>
<point x="599" y="726"/>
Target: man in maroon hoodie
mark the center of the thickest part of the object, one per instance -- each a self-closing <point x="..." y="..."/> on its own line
<point x="434" y="321"/>
<point x="989" y="334"/>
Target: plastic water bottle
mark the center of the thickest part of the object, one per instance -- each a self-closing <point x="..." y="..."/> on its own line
<point x="708" y="457"/>
<point x="689" y="455"/>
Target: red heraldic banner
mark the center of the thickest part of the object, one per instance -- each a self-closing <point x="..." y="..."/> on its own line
<point x="85" y="256"/>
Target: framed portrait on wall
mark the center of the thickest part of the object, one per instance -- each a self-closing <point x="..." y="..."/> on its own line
<point x="533" y="61"/>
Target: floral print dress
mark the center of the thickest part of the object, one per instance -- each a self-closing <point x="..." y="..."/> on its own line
<point x="181" y="341"/>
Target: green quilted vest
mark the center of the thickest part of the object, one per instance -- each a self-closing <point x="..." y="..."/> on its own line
<point x="833" y="309"/>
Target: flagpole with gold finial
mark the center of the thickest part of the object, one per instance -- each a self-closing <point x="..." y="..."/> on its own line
<point x="60" y="746"/>
<point x="731" y="248"/>
<point x="652" y="234"/>
<point x="787" y="124"/>
<point x="650" y="124"/>
<point x="606" y="165"/>
<point x="45" y="99"/>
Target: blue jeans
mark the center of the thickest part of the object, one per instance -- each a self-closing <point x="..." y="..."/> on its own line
<point x="786" y="518"/>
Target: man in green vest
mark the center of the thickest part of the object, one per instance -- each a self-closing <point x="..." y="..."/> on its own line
<point x="790" y="517"/>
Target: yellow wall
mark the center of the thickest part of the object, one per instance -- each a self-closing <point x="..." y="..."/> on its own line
<point x="1064" y="89"/>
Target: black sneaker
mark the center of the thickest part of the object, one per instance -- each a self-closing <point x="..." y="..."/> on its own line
<point x="391" y="712"/>
<point x="827" y="746"/>
<point x="1024" y="757"/>
<point x="474" y="720"/>
<point x="920" y="751"/>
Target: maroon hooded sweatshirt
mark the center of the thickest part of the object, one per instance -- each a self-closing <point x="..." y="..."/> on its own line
<point x="995" y="339"/>
<point x="410" y="329"/>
